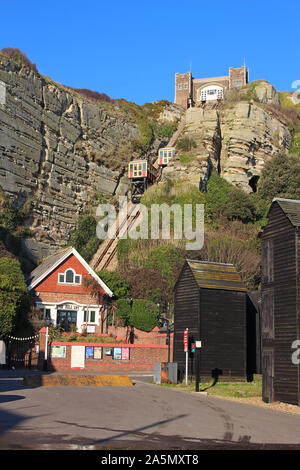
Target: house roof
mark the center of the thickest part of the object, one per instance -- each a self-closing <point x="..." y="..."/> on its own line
<point x="211" y="275"/>
<point x="53" y="261"/>
<point x="291" y="208"/>
<point x="47" y="264"/>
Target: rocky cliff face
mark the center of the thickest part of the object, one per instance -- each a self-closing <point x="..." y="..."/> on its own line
<point x="234" y="138"/>
<point x="58" y="150"/>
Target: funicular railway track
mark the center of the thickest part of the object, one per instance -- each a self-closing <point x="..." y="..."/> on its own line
<point x="105" y="256"/>
<point x="107" y="253"/>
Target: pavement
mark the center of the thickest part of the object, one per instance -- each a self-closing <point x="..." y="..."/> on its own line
<point x="9" y="373"/>
<point x="145" y="416"/>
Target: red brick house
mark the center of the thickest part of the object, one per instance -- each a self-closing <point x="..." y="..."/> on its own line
<point x="58" y="286"/>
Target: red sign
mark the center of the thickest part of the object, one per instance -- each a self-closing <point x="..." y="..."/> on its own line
<point x="185" y="339"/>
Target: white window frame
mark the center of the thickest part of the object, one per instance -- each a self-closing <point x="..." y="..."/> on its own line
<point x="237" y="83"/>
<point x="211" y="93"/>
<point x="88" y="320"/>
<point x="70" y="283"/>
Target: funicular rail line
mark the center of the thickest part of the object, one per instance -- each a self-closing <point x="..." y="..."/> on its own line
<point x="104" y="251"/>
<point x="108" y="246"/>
<point x="113" y="253"/>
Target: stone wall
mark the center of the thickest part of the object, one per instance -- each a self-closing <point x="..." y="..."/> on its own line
<point x="129" y="334"/>
<point x="141" y="357"/>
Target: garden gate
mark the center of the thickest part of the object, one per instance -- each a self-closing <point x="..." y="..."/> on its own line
<point x="22" y="352"/>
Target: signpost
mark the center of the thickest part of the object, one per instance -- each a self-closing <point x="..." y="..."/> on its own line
<point x="198" y="346"/>
<point x="186" y="348"/>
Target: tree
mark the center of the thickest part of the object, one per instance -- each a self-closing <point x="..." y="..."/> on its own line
<point x="92" y="289"/>
<point x="116" y="283"/>
<point x="241" y="206"/>
<point x="280" y="177"/>
<point x="124" y="311"/>
<point x="14" y="297"/>
<point x="84" y="238"/>
<point x="153" y="274"/>
<point x="235" y="244"/>
<point x="216" y="196"/>
<point x="144" y="315"/>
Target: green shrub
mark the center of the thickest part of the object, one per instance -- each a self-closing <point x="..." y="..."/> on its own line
<point x="216" y="196"/>
<point x="115" y="282"/>
<point x="280" y="177"/>
<point x="241" y="206"/>
<point x="295" y="144"/>
<point x="123" y="248"/>
<point x="84" y="238"/>
<point x="186" y="144"/>
<point x="144" y="124"/>
<point x="14" y="297"/>
<point x="186" y="158"/>
<point x="144" y="315"/>
<point x="124" y="311"/>
<point x="12" y="218"/>
<point x="88" y="251"/>
<point x="166" y="129"/>
<point x="164" y="258"/>
<point x="153" y="110"/>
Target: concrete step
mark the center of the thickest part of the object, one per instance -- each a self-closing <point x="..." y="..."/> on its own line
<point x="77" y="380"/>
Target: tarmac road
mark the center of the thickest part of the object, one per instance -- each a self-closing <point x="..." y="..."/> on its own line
<point x="145" y="416"/>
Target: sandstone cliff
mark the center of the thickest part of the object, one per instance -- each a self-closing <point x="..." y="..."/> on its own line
<point x="234" y="138"/>
<point x="59" y="150"/>
<point x="62" y="151"/>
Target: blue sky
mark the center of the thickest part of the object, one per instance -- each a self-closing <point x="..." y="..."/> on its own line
<point x="132" y="48"/>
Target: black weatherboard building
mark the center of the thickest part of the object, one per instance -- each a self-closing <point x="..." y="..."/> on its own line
<point x="281" y="302"/>
<point x="211" y="300"/>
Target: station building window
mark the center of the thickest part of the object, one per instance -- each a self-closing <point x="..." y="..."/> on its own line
<point x="210" y="93"/>
<point x="69" y="277"/>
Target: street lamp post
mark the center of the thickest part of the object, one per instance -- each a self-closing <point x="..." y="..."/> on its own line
<point x="106" y="310"/>
<point x="167" y="322"/>
<point x="45" y="364"/>
<point x="129" y="301"/>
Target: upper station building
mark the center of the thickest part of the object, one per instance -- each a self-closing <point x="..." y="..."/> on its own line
<point x="190" y="91"/>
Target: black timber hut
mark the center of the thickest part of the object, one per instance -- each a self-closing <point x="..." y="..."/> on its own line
<point x="280" y="304"/>
<point x="211" y="300"/>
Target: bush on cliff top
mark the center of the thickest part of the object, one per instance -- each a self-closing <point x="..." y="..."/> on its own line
<point x="19" y="57"/>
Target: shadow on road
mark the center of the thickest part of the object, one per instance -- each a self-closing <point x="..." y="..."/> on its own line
<point x="8" y="398"/>
<point x="124" y="433"/>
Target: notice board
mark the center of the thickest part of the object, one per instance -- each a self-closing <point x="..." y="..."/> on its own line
<point x="77" y="357"/>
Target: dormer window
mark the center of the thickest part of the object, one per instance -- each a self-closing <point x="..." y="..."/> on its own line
<point x="69" y="277"/>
